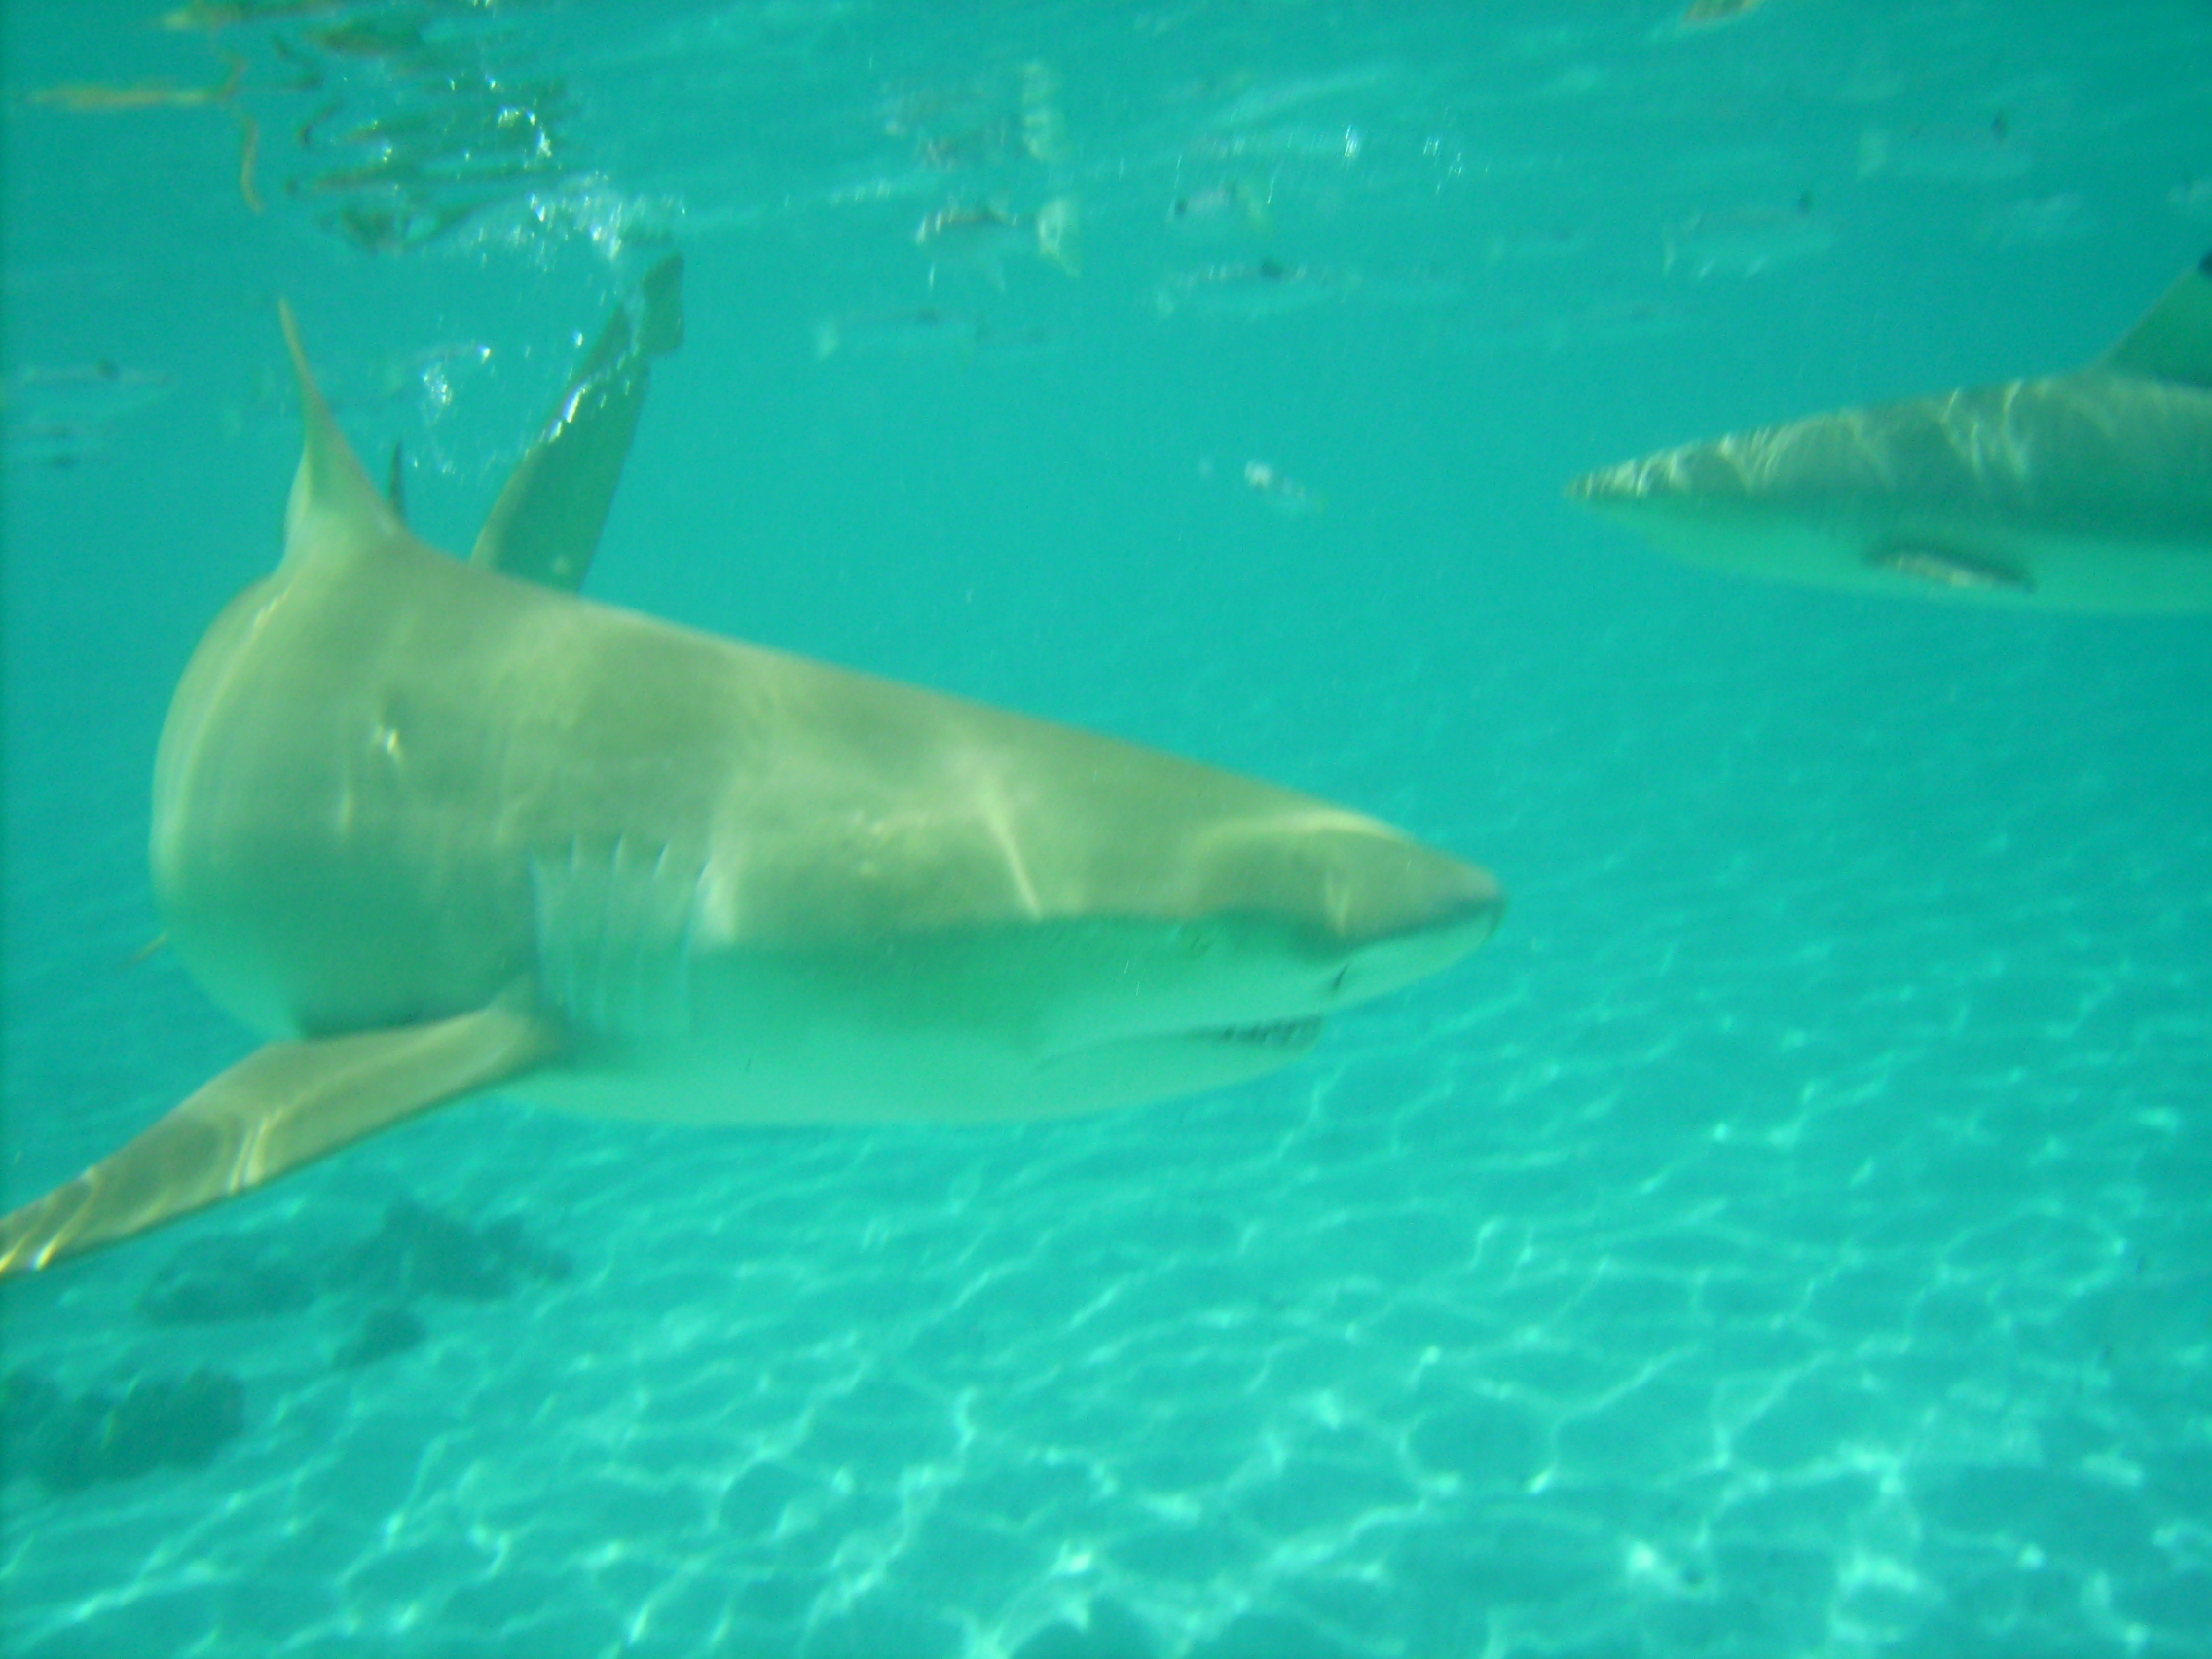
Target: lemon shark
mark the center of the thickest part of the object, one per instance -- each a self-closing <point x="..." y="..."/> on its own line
<point x="436" y="826"/>
<point x="2086" y="492"/>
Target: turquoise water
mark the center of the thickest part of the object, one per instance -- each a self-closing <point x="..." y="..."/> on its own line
<point x="1788" y="1236"/>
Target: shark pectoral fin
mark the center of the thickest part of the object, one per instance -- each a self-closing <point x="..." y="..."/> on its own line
<point x="544" y="526"/>
<point x="284" y="1106"/>
<point x="2174" y="340"/>
<point x="1939" y="566"/>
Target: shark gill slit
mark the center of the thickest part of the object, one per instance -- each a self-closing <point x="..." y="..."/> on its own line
<point x="1281" y="1034"/>
<point x="617" y="926"/>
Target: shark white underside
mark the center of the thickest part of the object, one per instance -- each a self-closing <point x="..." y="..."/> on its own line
<point x="2084" y="492"/>
<point x="437" y="826"/>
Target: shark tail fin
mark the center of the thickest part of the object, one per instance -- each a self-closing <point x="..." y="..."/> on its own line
<point x="282" y="1106"/>
<point x="2174" y="340"/>
<point x="335" y="506"/>
<point x="544" y="528"/>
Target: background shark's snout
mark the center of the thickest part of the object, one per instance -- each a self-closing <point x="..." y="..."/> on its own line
<point x="1693" y="480"/>
<point x="1704" y="504"/>
<point x="1609" y="487"/>
<point x="1655" y="497"/>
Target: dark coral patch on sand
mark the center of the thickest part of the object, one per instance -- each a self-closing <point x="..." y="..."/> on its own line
<point x="70" y="1442"/>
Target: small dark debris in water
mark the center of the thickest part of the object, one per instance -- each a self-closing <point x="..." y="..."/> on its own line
<point x="385" y="1332"/>
<point x="71" y="1443"/>
<point x="396" y="490"/>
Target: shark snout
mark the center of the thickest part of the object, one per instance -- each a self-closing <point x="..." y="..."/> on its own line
<point x="1403" y="910"/>
<point x="1694" y="476"/>
<point x="1371" y="908"/>
<point x="1387" y="889"/>
<point x="1609" y="485"/>
<point x="1345" y="880"/>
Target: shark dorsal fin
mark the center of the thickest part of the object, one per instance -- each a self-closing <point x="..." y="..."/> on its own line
<point x="336" y="507"/>
<point x="2174" y="341"/>
<point x="544" y="526"/>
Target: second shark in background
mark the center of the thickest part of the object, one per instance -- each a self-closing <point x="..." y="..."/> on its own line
<point x="2086" y="492"/>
